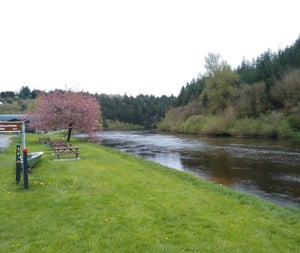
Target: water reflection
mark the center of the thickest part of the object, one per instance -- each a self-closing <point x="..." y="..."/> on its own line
<point x="267" y="168"/>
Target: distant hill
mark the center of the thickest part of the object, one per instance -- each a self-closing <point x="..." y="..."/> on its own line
<point x="13" y="105"/>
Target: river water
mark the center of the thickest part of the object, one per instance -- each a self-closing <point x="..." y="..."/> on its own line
<point x="266" y="168"/>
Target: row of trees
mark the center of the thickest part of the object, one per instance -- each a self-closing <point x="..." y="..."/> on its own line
<point x="142" y="110"/>
<point x="81" y="111"/>
<point x="268" y="68"/>
<point x="271" y="83"/>
<point x="23" y="93"/>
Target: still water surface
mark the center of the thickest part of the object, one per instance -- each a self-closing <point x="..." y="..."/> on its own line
<point x="267" y="168"/>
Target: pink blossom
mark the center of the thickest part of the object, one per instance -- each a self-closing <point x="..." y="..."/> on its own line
<point x="58" y="109"/>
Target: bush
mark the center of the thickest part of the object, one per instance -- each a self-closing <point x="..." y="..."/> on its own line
<point x="218" y="125"/>
<point x="275" y="125"/>
<point x="193" y="124"/>
<point x="271" y="125"/>
<point x="117" y="125"/>
<point x="245" y="127"/>
<point x="175" y="117"/>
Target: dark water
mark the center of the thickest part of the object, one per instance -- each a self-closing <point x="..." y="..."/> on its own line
<point x="267" y="168"/>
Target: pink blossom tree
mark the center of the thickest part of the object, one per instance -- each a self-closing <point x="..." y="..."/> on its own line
<point x="66" y="110"/>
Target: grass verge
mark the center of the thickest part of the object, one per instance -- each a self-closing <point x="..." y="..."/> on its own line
<point x="110" y="201"/>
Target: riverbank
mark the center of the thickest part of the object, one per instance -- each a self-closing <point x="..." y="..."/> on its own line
<point x="266" y="125"/>
<point x="239" y="163"/>
<point x="109" y="201"/>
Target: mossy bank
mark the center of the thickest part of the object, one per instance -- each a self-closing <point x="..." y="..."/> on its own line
<point x="110" y="201"/>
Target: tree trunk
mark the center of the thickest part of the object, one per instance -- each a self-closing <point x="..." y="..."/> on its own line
<point x="69" y="131"/>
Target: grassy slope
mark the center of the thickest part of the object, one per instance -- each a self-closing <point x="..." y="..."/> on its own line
<point x="113" y="202"/>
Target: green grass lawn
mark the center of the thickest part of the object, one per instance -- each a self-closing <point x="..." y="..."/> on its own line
<point x="110" y="201"/>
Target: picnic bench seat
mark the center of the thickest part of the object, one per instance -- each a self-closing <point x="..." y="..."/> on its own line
<point x="58" y="151"/>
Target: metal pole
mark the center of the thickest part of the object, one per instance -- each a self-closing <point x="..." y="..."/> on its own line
<point x="18" y="164"/>
<point x="23" y="135"/>
<point x="25" y="168"/>
<point x="18" y="151"/>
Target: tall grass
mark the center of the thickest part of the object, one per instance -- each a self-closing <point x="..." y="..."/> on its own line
<point x="110" y="201"/>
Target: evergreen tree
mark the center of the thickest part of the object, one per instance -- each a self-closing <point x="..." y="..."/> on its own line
<point x="25" y="92"/>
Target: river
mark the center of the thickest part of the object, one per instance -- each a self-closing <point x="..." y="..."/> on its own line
<point x="266" y="168"/>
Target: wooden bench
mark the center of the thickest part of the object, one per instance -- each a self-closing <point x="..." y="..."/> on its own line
<point x="44" y="140"/>
<point x="59" y="143"/>
<point x="58" y="151"/>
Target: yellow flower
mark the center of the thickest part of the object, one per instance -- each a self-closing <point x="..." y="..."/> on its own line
<point x="16" y="245"/>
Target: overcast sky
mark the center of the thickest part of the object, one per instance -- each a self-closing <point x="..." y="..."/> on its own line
<point x="134" y="46"/>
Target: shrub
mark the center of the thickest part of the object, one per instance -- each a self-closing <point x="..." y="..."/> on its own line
<point x="217" y="125"/>
<point x="275" y="125"/>
<point x="175" y="117"/>
<point x="271" y="125"/>
<point x="117" y="125"/>
<point x="245" y="127"/>
<point x="193" y="124"/>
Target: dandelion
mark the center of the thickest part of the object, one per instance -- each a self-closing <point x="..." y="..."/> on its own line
<point x="16" y="245"/>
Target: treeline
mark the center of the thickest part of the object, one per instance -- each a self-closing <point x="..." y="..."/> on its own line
<point x="24" y="93"/>
<point x="142" y="110"/>
<point x="258" y="98"/>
